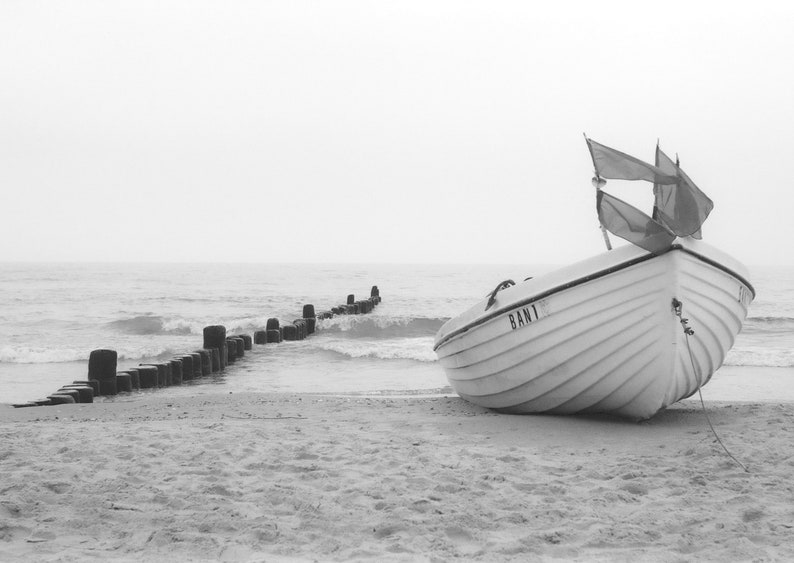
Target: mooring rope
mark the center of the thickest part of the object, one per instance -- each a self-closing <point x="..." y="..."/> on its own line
<point x="678" y="309"/>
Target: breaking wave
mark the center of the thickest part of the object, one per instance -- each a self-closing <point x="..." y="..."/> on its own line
<point x="768" y="324"/>
<point x="32" y="355"/>
<point x="36" y="355"/>
<point x="419" y="349"/>
<point x="146" y="325"/>
<point x="760" y="357"/>
<point x="381" y="326"/>
<point x="152" y="324"/>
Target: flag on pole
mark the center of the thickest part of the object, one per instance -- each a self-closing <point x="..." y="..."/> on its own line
<point x="682" y="207"/>
<point x="629" y="223"/>
<point x="615" y="165"/>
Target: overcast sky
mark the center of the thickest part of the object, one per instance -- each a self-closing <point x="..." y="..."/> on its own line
<point x="363" y="131"/>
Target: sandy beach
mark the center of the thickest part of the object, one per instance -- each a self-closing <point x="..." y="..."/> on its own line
<point x="278" y="477"/>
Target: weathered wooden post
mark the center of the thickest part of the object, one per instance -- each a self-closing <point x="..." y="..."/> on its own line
<point x="60" y="399"/>
<point x="197" y="371"/>
<point x="310" y="317"/>
<point x="273" y="324"/>
<point x="102" y="367"/>
<point x="290" y="332"/>
<point x="148" y="376"/>
<point x="216" y="359"/>
<point x="162" y="373"/>
<point x="123" y="382"/>
<point x="247" y="342"/>
<point x="176" y="371"/>
<point x="86" y="392"/>
<point x="206" y="361"/>
<point x="301" y="326"/>
<point x="187" y="366"/>
<point x="73" y="393"/>
<point x="215" y="337"/>
<point x="231" y="350"/>
<point x="93" y="383"/>
<point x="273" y="335"/>
<point x="135" y="379"/>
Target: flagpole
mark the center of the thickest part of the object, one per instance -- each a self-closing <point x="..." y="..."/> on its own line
<point x="606" y="238"/>
<point x="598" y="182"/>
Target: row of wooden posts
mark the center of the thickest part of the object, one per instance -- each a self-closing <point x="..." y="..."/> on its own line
<point x="218" y="351"/>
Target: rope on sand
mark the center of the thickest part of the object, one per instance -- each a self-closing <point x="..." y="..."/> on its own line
<point x="678" y="309"/>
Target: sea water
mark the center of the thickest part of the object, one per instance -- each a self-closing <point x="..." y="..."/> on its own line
<point x="53" y="315"/>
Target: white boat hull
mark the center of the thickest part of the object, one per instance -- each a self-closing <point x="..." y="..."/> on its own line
<point x="601" y="335"/>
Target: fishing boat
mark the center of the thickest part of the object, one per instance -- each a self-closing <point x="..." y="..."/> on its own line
<point x="627" y="332"/>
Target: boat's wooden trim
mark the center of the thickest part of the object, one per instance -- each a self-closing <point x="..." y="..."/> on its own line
<point x="585" y="279"/>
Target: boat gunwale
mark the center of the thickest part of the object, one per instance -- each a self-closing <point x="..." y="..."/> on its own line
<point x="588" y="278"/>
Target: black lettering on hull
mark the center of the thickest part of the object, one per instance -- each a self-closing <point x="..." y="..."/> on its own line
<point x="526" y="315"/>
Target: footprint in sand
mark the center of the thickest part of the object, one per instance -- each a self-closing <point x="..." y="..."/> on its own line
<point x="462" y="539"/>
<point x="387" y="530"/>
